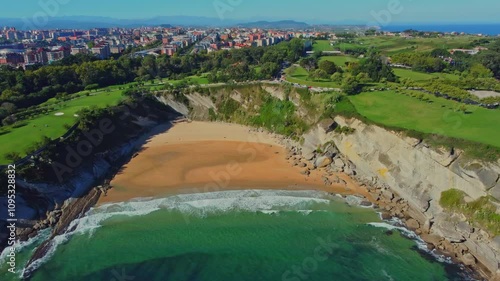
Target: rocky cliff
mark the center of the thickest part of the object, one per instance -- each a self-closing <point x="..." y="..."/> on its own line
<point x="405" y="176"/>
<point x="38" y="204"/>
<point x="407" y="168"/>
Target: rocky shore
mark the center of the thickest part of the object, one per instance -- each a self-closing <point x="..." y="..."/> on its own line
<point x="448" y="234"/>
<point x="331" y="162"/>
<point x="60" y="220"/>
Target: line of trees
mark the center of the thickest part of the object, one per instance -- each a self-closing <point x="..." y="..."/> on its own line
<point x="423" y="62"/>
<point x="27" y="88"/>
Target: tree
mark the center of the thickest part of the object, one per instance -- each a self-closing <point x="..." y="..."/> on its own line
<point x="309" y="63"/>
<point x="92" y="87"/>
<point x="437" y="53"/>
<point x="421" y="61"/>
<point x="491" y="60"/>
<point x="336" y="77"/>
<point x="495" y="46"/>
<point x="350" y="85"/>
<point x="9" y="107"/>
<point x="270" y="69"/>
<point x="148" y="67"/>
<point x="9" y="94"/>
<point x="12" y="156"/>
<point x="364" y="78"/>
<point x="328" y="66"/>
<point x="319" y="74"/>
<point x="317" y="55"/>
<point x="296" y="49"/>
<point x="9" y="120"/>
<point x="480" y="71"/>
<point x="375" y="68"/>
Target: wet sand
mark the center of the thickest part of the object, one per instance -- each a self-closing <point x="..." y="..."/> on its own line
<point x="206" y="157"/>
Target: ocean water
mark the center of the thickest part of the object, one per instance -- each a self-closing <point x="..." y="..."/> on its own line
<point x="235" y="235"/>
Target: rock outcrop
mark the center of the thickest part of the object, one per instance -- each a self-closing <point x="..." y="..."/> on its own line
<point x="407" y="177"/>
<point x="73" y="209"/>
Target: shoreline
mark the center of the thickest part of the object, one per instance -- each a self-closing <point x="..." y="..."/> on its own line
<point x="172" y="154"/>
<point x="206" y="157"/>
<point x="295" y="164"/>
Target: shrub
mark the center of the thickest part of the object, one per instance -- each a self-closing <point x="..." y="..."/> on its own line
<point x="92" y="87"/>
<point x="452" y="198"/>
<point x="13" y="156"/>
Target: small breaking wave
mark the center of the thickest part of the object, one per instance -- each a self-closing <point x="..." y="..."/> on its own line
<point x="200" y="204"/>
<point x="20" y="246"/>
<point x="397" y="224"/>
<point x="354" y="200"/>
<point x="204" y="204"/>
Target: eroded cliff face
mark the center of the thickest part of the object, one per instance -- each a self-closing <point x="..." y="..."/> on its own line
<point x="405" y="175"/>
<point x="419" y="174"/>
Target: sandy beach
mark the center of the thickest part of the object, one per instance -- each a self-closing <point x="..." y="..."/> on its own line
<point x="206" y="157"/>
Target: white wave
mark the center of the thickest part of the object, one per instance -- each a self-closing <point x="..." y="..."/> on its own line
<point x="203" y="204"/>
<point x="200" y="204"/>
<point x="354" y="200"/>
<point x="269" y="212"/>
<point x="387" y="275"/>
<point x="19" y="246"/>
<point x="304" y="212"/>
<point x="396" y="224"/>
<point x="54" y="243"/>
<point x="381" y="249"/>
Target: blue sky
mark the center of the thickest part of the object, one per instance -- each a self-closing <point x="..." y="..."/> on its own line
<point x="408" y="11"/>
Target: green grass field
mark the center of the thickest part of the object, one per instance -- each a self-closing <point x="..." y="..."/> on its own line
<point x="199" y="79"/>
<point x="389" y="45"/>
<point x="20" y="139"/>
<point x="322" y="45"/>
<point x="421" y="76"/>
<point x="438" y="117"/>
<point x="339" y="60"/>
<point x="300" y="75"/>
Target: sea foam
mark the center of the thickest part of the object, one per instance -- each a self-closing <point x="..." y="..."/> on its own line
<point x="397" y="224"/>
<point x="200" y="204"/>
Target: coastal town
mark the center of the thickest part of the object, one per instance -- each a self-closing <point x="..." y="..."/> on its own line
<point x="27" y="48"/>
<point x="41" y="47"/>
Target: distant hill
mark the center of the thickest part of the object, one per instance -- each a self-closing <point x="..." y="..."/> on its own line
<point x="284" y="24"/>
<point x="86" y="22"/>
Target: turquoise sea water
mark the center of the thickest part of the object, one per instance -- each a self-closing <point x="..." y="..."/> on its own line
<point x="236" y="235"/>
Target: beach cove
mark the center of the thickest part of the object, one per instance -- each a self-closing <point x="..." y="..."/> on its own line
<point x="202" y="196"/>
<point x="200" y="157"/>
